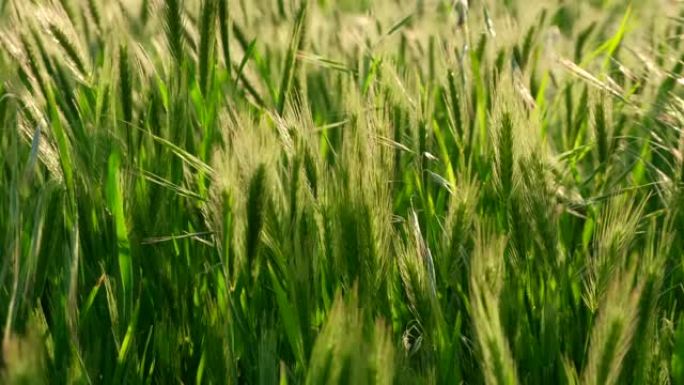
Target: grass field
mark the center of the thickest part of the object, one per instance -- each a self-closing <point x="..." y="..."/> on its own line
<point x="342" y="192"/>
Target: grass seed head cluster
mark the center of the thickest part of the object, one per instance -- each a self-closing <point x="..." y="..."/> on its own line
<point x="341" y="192"/>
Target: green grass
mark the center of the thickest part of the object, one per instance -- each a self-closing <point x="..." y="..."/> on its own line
<point x="341" y="192"/>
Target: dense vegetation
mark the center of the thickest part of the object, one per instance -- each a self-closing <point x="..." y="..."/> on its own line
<point x="341" y="192"/>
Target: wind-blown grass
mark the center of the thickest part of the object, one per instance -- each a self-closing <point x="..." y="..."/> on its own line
<point x="341" y="192"/>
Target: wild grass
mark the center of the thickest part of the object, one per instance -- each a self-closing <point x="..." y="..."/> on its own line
<point x="341" y="192"/>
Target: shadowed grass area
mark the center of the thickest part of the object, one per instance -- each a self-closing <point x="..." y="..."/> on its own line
<point x="341" y="192"/>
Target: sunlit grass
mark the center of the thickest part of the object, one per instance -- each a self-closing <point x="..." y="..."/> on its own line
<point x="341" y="192"/>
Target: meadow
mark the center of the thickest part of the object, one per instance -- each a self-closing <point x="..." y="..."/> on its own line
<point x="342" y="192"/>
